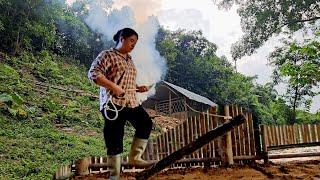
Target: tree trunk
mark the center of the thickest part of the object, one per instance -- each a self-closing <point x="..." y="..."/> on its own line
<point x="295" y="104"/>
<point x="17" y="43"/>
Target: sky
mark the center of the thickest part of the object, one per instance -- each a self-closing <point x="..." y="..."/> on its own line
<point x="221" y="27"/>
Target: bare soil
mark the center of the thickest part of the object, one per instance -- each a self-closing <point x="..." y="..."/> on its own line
<point x="309" y="169"/>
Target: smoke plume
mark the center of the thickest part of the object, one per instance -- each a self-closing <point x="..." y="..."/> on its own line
<point x="107" y="17"/>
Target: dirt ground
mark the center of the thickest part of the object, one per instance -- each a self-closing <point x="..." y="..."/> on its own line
<point x="287" y="168"/>
<point x="309" y="169"/>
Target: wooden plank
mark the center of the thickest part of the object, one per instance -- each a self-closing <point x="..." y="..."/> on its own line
<point x="300" y="130"/>
<point x="251" y="131"/>
<point x="313" y="133"/>
<point x="307" y="132"/>
<point x="188" y="132"/>
<point x="293" y="146"/>
<point x="211" y="124"/>
<point x="238" y="132"/>
<point x="283" y="134"/>
<point x="180" y="139"/>
<point x="233" y="139"/>
<point x="236" y="135"/>
<point x="177" y="131"/>
<point x="160" y="150"/>
<point x="247" y="135"/>
<point x="163" y="151"/>
<point x="279" y="156"/>
<point x="263" y="129"/>
<point x="197" y="130"/>
<point x="300" y="137"/>
<point x="214" y="143"/>
<point x="191" y="135"/>
<point x="173" y="140"/>
<point x="304" y="134"/>
<point x="158" y="147"/>
<point x="241" y="136"/>
<point x="272" y="142"/>
<point x="269" y="135"/>
<point x="203" y="131"/>
<point x="182" y="134"/>
<point x="195" y="135"/>
<point x="290" y="140"/>
<point x="291" y="134"/>
<point x="201" y="141"/>
<point x="279" y="135"/>
<point x="278" y="142"/>
<point x="295" y="134"/>
<point x="275" y="135"/>
<point x="207" y="125"/>
<point x="167" y="147"/>
<point x="318" y="132"/>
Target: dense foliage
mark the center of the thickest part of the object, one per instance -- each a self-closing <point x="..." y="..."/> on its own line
<point x="298" y="65"/>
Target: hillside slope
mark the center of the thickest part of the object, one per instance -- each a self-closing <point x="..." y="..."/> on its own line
<point x="48" y="116"/>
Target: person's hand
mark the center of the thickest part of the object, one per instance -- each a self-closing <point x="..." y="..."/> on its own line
<point x="118" y="91"/>
<point x="142" y="89"/>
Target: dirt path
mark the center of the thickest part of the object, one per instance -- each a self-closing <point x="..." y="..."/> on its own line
<point x="289" y="170"/>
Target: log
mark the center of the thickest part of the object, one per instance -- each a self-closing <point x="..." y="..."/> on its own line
<point x="191" y="147"/>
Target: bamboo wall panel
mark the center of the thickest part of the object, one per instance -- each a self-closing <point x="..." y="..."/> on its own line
<point x="291" y="134"/>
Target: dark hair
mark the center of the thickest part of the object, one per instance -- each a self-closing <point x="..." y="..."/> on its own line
<point x="125" y="32"/>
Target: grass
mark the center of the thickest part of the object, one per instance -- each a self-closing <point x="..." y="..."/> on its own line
<point x="31" y="146"/>
<point x="30" y="151"/>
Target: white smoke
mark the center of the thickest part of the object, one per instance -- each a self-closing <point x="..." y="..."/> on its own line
<point x="107" y="17"/>
<point x="150" y="65"/>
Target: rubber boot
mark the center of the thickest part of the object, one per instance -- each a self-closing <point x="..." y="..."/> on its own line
<point x="138" y="147"/>
<point x="114" y="166"/>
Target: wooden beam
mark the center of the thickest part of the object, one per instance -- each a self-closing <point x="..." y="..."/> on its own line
<point x="191" y="147"/>
<point x="293" y="155"/>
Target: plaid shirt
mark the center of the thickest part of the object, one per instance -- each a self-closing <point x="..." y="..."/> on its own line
<point x="116" y="67"/>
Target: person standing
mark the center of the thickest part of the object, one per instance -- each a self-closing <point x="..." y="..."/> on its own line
<point x="113" y="70"/>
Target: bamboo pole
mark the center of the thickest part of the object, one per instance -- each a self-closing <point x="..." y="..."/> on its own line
<point x="263" y="129"/>
<point x="251" y="129"/>
<point x="318" y="132"/>
<point x="247" y="135"/>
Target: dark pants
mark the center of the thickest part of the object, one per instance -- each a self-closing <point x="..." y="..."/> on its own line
<point x="114" y="130"/>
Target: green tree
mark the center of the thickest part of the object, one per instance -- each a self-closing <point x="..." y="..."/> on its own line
<point x="261" y="19"/>
<point x="29" y="25"/>
<point x="299" y="67"/>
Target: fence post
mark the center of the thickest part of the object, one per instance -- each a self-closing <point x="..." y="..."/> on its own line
<point x="82" y="166"/>
<point x="227" y="154"/>
<point x="264" y="143"/>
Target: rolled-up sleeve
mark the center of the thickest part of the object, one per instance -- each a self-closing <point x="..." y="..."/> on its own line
<point x="99" y="66"/>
